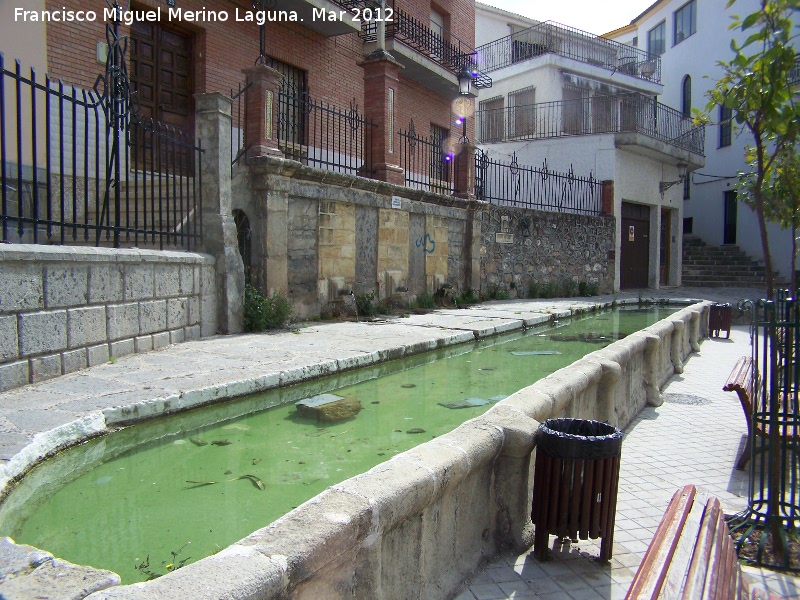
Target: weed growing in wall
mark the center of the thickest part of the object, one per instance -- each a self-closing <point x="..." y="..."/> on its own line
<point x="265" y="312"/>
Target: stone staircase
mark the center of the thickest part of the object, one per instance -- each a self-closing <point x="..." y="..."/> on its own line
<point x="719" y="266"/>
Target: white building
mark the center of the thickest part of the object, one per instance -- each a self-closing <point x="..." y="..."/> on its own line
<point x="690" y="37"/>
<point x="575" y="102"/>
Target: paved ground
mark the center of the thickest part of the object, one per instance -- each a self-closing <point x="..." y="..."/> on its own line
<point x="665" y="448"/>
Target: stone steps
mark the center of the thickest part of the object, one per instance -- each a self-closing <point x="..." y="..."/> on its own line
<point x="719" y="266"/>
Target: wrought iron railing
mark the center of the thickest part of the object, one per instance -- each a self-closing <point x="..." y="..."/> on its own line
<point x="450" y="52"/>
<point x="524" y="186"/>
<point x="81" y="167"/>
<point x="772" y="517"/>
<point x="321" y="135"/>
<point x="589" y="116"/>
<point x="426" y="161"/>
<point x="549" y="37"/>
<point x="238" y="120"/>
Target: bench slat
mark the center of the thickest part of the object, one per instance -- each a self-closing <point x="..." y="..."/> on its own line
<point x="650" y="576"/>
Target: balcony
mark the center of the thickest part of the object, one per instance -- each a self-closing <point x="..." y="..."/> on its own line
<point x="552" y="38"/>
<point x="428" y="57"/>
<point x="628" y="116"/>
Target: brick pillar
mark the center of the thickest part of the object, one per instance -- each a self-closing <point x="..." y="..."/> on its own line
<point x="381" y="81"/>
<point x="213" y="129"/>
<point x="607" y="198"/>
<point x="464" y="171"/>
<point x="261" y="108"/>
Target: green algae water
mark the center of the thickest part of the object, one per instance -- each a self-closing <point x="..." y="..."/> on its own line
<point x="151" y="497"/>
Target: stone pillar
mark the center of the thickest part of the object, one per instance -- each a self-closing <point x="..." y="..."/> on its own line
<point x="464" y="171"/>
<point x="271" y="184"/>
<point x="381" y="89"/>
<point x="261" y="102"/>
<point x="607" y="197"/>
<point x="213" y="129"/>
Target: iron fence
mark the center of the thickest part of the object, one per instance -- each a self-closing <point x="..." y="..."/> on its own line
<point x="321" y="135"/>
<point x="524" y="186"/>
<point x="591" y="115"/>
<point x="773" y="512"/>
<point x="549" y="37"/>
<point x="81" y="167"/>
<point x="238" y="120"/>
<point x="426" y="161"/>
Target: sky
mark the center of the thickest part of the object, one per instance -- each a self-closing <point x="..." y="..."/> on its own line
<point x="593" y="16"/>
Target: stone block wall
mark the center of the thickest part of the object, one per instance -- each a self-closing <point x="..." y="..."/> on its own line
<point x="67" y="308"/>
<point x="521" y="245"/>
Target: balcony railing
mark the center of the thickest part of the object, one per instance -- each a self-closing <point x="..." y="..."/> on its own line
<point x="450" y="52"/>
<point x="549" y="37"/>
<point x="590" y="116"/>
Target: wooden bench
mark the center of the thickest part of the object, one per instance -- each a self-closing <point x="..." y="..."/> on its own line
<point x="746" y="382"/>
<point x="692" y="555"/>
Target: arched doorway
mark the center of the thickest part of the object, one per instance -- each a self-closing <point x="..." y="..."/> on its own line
<point x="244" y="237"/>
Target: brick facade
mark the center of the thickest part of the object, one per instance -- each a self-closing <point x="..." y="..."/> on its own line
<point x="221" y="50"/>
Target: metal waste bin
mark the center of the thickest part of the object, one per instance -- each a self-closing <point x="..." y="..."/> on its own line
<point x="575" y="482"/>
<point x="719" y="318"/>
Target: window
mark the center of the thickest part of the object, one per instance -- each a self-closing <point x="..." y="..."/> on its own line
<point x="490" y="121"/>
<point x="635" y="41"/>
<point x="686" y="96"/>
<point x="602" y="113"/>
<point x="685" y="22"/>
<point x="575" y="109"/>
<point x="687" y="188"/>
<point x="522" y="114"/>
<point x="725" y="126"/>
<point x="438" y="29"/>
<point x="655" y="39"/>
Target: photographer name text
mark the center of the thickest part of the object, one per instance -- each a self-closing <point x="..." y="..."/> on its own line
<point x="260" y="17"/>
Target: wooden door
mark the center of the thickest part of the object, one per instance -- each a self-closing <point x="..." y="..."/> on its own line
<point x="634" y="246"/>
<point x="161" y="76"/>
<point x="665" y="245"/>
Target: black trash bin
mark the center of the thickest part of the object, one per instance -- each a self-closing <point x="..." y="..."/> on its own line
<point x="719" y="318"/>
<point x="575" y="482"/>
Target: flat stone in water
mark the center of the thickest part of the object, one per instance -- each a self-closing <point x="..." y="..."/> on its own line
<point x="466" y="403"/>
<point x="408" y="385"/>
<point x="416" y="430"/>
<point x="331" y="411"/>
<point x="534" y="352"/>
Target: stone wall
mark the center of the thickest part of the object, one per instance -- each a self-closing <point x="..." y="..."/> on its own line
<point x="317" y="235"/>
<point x="67" y="308"/>
<point x="522" y="245"/>
<point x="419" y="524"/>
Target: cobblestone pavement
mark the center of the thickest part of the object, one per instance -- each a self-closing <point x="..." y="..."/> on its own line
<point x="694" y="437"/>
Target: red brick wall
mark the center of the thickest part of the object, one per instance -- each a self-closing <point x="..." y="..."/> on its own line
<point x="221" y="50"/>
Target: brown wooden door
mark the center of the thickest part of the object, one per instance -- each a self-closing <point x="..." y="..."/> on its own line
<point x="162" y="79"/>
<point x="635" y="246"/>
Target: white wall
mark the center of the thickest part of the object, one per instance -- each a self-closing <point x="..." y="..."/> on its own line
<point x="697" y="57"/>
<point x="493" y="23"/>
